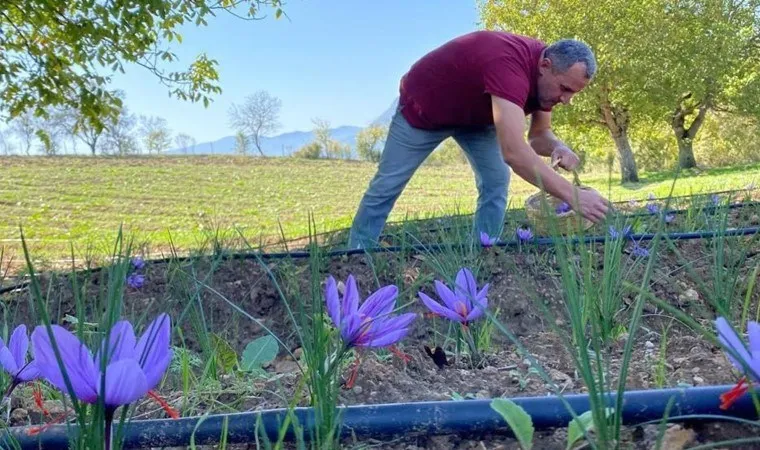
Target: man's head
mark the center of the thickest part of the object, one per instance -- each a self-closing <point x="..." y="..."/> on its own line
<point x="566" y="67"/>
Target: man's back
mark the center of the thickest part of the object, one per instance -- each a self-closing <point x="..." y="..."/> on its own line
<point x="451" y="85"/>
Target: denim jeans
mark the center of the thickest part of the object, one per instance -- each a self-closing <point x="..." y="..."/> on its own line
<point x="405" y="149"/>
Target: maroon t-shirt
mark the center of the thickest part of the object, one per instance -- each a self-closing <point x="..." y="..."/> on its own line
<point x="451" y="86"/>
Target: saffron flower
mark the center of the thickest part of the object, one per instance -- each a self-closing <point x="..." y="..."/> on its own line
<point x="715" y="198"/>
<point x="641" y="252"/>
<point x="487" y="241"/>
<point x="748" y="362"/>
<point x="136" y="280"/>
<point x="370" y="325"/>
<point x="524" y="234"/>
<point x="13" y="358"/>
<point x="138" y="263"/>
<point x="464" y="304"/>
<point x="133" y="367"/>
<point x="562" y="208"/>
<point x="670" y="217"/>
<point x="625" y="232"/>
<point x="653" y="208"/>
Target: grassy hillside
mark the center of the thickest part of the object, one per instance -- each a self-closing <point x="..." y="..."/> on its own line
<point x="83" y="201"/>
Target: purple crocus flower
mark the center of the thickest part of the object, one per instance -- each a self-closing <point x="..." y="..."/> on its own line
<point x="524" y="234"/>
<point x="133" y="368"/>
<point x="670" y="217"/>
<point x="625" y="232"/>
<point x="641" y="252"/>
<point x="562" y="208"/>
<point x="736" y="351"/>
<point x="138" y="263"/>
<point x="370" y="325"/>
<point x="13" y="357"/>
<point x="487" y="241"/>
<point x="715" y="199"/>
<point x="136" y="280"/>
<point x="747" y="362"/>
<point x="653" y="208"/>
<point x="465" y="304"/>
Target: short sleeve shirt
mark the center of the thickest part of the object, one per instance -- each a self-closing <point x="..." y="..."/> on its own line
<point x="452" y="85"/>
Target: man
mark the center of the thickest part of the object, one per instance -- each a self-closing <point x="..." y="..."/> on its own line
<point x="478" y="89"/>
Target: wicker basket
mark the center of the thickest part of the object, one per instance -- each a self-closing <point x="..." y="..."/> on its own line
<point x="541" y="211"/>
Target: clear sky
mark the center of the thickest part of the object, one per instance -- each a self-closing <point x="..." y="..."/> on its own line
<point x="337" y="60"/>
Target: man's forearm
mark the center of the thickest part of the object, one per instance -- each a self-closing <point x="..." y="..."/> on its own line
<point x="532" y="169"/>
<point x="544" y="142"/>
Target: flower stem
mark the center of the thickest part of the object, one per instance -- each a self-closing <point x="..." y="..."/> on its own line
<point x="109" y="420"/>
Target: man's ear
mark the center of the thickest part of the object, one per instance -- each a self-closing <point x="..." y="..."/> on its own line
<point x="544" y="66"/>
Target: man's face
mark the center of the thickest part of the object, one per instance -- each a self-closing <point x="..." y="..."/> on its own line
<point x="555" y="87"/>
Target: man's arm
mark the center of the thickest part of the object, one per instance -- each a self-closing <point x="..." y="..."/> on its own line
<point x="545" y="143"/>
<point x="540" y="135"/>
<point x="509" y="120"/>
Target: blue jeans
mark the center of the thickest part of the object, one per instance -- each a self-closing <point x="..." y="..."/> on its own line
<point x="405" y="149"/>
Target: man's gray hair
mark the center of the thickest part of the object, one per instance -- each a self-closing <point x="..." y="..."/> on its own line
<point x="566" y="52"/>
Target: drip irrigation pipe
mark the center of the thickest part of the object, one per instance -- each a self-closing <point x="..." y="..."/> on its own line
<point x="542" y="241"/>
<point x="465" y="417"/>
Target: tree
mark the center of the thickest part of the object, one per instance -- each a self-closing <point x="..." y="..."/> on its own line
<point x="23" y="127"/>
<point x="119" y="137"/>
<point x="257" y="117"/>
<point x="62" y="53"/>
<point x="155" y="133"/>
<point x="8" y="148"/>
<point x="621" y="33"/>
<point x="369" y="142"/>
<point x="713" y="58"/>
<point x="184" y="142"/>
<point x="52" y="129"/>
<point x="242" y="143"/>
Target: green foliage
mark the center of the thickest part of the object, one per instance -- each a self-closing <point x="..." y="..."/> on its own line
<point x="242" y="143"/>
<point x="448" y="152"/>
<point x="517" y="419"/>
<point x="311" y="150"/>
<point x="369" y="142"/>
<point x="259" y="352"/>
<point x="62" y="53"/>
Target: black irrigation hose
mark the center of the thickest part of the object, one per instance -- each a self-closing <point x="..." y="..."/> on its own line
<point x="465" y="417"/>
<point x="543" y="241"/>
<point x="455" y="216"/>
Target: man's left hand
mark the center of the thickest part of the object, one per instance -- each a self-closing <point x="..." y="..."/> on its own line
<point x="565" y="157"/>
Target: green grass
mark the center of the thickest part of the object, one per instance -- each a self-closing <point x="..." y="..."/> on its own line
<point x="179" y="200"/>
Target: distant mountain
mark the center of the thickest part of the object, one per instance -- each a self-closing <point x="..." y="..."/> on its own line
<point x="287" y="143"/>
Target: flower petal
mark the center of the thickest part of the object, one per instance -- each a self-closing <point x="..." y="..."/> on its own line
<point x="390" y="331"/>
<point x="29" y="372"/>
<point x="466" y="289"/>
<point x="449" y="298"/>
<point x="125" y="383"/>
<point x="19" y="345"/>
<point x="352" y="328"/>
<point x="121" y="343"/>
<point x="332" y="303"/>
<point x="440" y="310"/>
<point x="753" y="330"/>
<point x="380" y="303"/>
<point x="729" y="339"/>
<point x="76" y="358"/>
<point x="7" y="361"/>
<point x="350" y="297"/>
<point x="153" y="349"/>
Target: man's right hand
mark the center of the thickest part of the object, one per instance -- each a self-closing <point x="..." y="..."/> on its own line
<point x="591" y="204"/>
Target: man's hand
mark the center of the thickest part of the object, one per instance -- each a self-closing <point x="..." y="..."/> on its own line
<point x="591" y="205"/>
<point x="565" y="157"/>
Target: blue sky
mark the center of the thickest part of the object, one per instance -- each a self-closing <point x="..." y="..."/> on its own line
<point x="351" y="52"/>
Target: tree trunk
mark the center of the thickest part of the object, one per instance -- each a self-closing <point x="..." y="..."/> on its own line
<point x="617" y="120"/>
<point x="685" y="135"/>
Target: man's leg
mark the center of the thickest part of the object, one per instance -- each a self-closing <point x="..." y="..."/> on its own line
<point x="405" y="149"/>
<point x="491" y="176"/>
